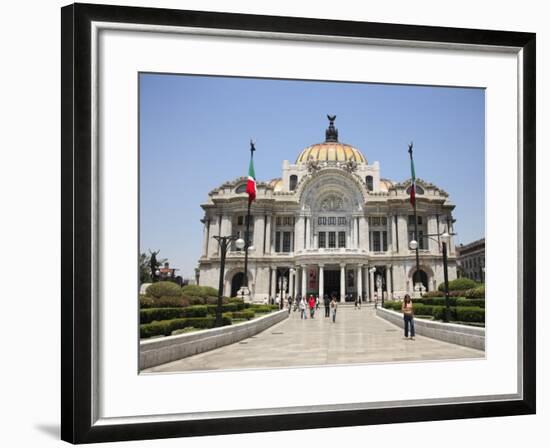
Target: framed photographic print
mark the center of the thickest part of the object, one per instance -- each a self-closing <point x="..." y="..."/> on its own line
<point x="254" y="208"/>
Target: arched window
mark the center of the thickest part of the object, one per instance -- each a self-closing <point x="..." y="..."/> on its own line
<point x="369" y="182"/>
<point x="419" y="190"/>
<point x="293" y="182"/>
<point x="241" y="189"/>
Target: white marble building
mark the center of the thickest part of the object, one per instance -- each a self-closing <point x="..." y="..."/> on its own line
<point x="332" y="218"/>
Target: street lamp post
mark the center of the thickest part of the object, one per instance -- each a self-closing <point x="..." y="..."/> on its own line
<point x="224" y="242"/>
<point x="445" y="239"/>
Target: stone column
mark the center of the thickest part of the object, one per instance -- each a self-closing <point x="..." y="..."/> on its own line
<point x="366" y="238"/>
<point x="214" y="230"/>
<point x="389" y="233"/>
<point x="360" y="281"/>
<point x="388" y="282"/>
<point x="403" y="234"/>
<point x="432" y="230"/>
<point x="321" y="282"/>
<point x="304" y="281"/>
<point x="259" y="227"/>
<point x="267" y="238"/>
<point x="299" y="234"/>
<point x="342" y="282"/>
<point x="308" y="232"/>
<point x="372" y="286"/>
<point x="273" y="290"/>
<point x="205" y="236"/>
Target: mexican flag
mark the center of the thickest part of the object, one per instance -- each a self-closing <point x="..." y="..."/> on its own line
<point x="412" y="197"/>
<point x="251" y="184"/>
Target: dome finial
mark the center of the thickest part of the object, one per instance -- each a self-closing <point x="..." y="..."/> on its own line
<point x="331" y="134"/>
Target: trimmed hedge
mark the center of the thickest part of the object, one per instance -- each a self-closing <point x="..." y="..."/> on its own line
<point x="263" y="308"/>
<point x="166" y="327"/>
<point x="459" y="284"/>
<point x="453" y="301"/>
<point x="150" y="314"/>
<point x="246" y="314"/>
<point x="163" y="289"/>
<point x="470" y="314"/>
<point x="200" y="291"/>
<point x="430" y="294"/>
<point x="163" y="302"/>
<point x="228" y="307"/>
<point x="475" y="293"/>
<point x="457" y="313"/>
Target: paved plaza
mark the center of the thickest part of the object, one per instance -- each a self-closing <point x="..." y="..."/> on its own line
<point x="358" y="336"/>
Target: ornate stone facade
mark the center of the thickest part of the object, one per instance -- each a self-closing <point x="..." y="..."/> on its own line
<point x="331" y="218"/>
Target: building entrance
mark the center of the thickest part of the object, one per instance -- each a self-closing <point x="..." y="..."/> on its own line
<point x="332" y="283"/>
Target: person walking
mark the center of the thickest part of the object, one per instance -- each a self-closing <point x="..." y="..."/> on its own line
<point x="317" y="304"/>
<point x="408" y="316"/>
<point x="303" y="307"/>
<point x="334" y="306"/>
<point x="311" y="306"/>
<point x="289" y="304"/>
<point x="326" y="301"/>
<point x="356" y="300"/>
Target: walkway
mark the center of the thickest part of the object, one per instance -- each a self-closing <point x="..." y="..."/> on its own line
<point x="358" y="336"/>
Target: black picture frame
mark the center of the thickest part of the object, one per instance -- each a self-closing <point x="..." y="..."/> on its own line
<point x="77" y="424"/>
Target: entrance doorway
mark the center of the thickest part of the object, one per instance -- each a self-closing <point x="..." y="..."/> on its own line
<point x="332" y="283"/>
<point x="236" y="283"/>
<point x="421" y="277"/>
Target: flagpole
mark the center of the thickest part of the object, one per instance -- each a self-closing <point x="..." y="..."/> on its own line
<point x="247" y="234"/>
<point x="417" y="273"/>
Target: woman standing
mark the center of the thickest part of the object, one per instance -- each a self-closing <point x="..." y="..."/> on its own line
<point x="311" y="306"/>
<point x="303" y="307"/>
<point x="334" y="307"/>
<point x="408" y="316"/>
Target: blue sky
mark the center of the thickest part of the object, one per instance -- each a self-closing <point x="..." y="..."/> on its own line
<point x="195" y="133"/>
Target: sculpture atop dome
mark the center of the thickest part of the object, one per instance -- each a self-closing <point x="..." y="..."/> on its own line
<point x="331" y="134"/>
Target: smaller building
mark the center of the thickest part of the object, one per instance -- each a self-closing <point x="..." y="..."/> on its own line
<point x="471" y="260"/>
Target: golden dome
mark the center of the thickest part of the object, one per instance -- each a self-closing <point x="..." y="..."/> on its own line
<point x="332" y="152"/>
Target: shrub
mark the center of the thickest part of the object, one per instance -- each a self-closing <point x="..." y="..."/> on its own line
<point x="263" y="308"/>
<point x="432" y="294"/>
<point x="392" y="305"/>
<point x="475" y="293"/>
<point x="246" y="314"/>
<point x="200" y="291"/>
<point x="471" y="302"/>
<point x="164" y="289"/>
<point x="226" y="307"/>
<point x="166" y="327"/>
<point x="470" y="314"/>
<point x="145" y="302"/>
<point x="151" y="314"/>
<point x="459" y="284"/>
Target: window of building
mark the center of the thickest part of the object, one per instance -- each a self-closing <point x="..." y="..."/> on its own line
<point x="376" y="241"/>
<point x="341" y="220"/>
<point x="331" y="220"/>
<point x="379" y="240"/>
<point x="332" y="239"/>
<point x="341" y="239"/>
<point x="286" y="241"/>
<point x="241" y="189"/>
<point x="293" y="182"/>
<point x="322" y="220"/>
<point x="369" y="182"/>
<point x="322" y="239"/>
<point x="278" y="221"/>
<point x="240" y="220"/>
<point x="277" y="241"/>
